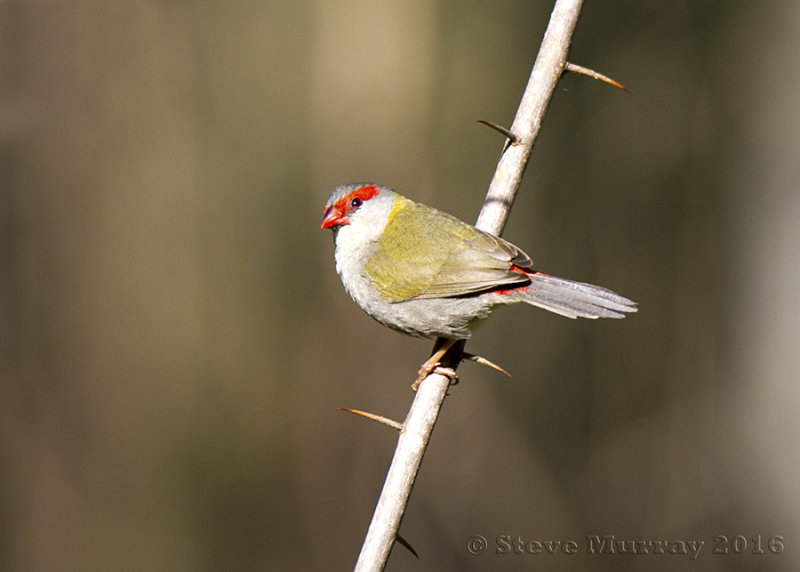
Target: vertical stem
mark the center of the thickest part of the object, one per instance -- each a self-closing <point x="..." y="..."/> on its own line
<point x="411" y="446"/>
<point x="428" y="400"/>
<point x="542" y="83"/>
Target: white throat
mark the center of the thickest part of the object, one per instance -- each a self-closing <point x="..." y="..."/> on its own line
<point x="357" y="241"/>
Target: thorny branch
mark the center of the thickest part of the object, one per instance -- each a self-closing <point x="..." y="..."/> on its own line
<point x="415" y="432"/>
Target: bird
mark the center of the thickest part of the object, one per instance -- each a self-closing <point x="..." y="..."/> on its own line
<point x="428" y="274"/>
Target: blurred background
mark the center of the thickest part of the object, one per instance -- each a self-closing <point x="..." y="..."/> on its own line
<point x="176" y="343"/>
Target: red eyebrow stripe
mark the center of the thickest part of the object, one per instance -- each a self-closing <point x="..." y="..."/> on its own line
<point x="364" y="193"/>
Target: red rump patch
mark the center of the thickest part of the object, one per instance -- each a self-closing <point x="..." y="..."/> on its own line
<point x="529" y="271"/>
<point x="508" y="291"/>
<point x="521" y="288"/>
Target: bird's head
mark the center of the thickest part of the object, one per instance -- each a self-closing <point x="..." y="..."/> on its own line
<point x="365" y="205"/>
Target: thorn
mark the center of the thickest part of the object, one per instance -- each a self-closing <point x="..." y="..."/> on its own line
<point x="484" y="361"/>
<point x="574" y="68"/>
<point x="404" y="543"/>
<point x="379" y="418"/>
<point x="507" y="132"/>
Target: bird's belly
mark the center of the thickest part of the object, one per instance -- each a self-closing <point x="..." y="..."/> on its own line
<point x="442" y="317"/>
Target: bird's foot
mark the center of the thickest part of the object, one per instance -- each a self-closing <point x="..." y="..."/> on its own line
<point x="433" y="364"/>
<point x="448" y="372"/>
<point x="435" y="367"/>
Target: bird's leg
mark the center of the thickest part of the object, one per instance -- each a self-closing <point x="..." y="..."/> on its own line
<point x="433" y="364"/>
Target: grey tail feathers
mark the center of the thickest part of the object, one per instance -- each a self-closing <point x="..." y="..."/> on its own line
<point x="574" y="299"/>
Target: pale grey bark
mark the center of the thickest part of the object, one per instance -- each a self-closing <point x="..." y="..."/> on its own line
<point x="428" y="400"/>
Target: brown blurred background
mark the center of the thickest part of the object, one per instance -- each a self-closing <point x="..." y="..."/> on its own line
<point x="176" y="343"/>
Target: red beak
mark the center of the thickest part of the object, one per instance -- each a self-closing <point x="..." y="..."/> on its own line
<point x="332" y="217"/>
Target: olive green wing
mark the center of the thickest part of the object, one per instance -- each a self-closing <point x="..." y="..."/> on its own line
<point x="425" y="253"/>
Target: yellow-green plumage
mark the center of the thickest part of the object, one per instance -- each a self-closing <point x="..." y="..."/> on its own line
<point x="425" y="253"/>
<point x="425" y="273"/>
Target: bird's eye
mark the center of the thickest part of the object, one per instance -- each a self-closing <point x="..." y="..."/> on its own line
<point x="355" y="202"/>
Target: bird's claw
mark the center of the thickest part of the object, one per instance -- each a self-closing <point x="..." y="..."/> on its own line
<point x="428" y="369"/>
<point x="433" y="366"/>
<point x="448" y="372"/>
